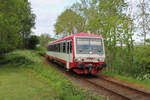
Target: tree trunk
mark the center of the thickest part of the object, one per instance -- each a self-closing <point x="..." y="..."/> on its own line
<point x="121" y="58"/>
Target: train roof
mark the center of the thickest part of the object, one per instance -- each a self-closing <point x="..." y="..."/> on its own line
<point x="86" y="35"/>
<point x="75" y="35"/>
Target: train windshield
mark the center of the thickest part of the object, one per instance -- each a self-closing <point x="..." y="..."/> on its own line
<point x="89" y="45"/>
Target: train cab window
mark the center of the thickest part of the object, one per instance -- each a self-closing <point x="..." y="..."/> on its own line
<point x="70" y="46"/>
<point x="64" y="47"/>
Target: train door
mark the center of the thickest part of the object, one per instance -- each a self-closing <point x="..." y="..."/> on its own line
<point x="69" y="53"/>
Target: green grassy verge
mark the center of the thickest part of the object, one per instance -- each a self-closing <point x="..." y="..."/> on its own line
<point x="23" y="76"/>
<point x="19" y="84"/>
<point x="141" y="83"/>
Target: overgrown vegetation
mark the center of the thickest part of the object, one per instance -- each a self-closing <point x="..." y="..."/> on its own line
<point x="142" y="63"/>
<point x="31" y="61"/>
<point x="138" y="69"/>
<point x="41" y="50"/>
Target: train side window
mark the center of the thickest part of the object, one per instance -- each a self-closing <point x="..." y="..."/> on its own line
<point x="70" y="46"/>
<point x="61" y="47"/>
<point x="67" y="47"/>
<point x="64" y="47"/>
<point x="49" y="48"/>
<point x="55" y="48"/>
<point x="52" y="47"/>
<point x="58" y="47"/>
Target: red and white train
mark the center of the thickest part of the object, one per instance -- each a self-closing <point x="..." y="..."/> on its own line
<point x="82" y="52"/>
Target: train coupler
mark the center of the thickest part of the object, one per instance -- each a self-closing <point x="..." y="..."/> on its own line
<point x="81" y="66"/>
<point x="89" y="68"/>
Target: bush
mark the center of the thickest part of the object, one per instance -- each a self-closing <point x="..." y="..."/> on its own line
<point x="19" y="57"/>
<point x="15" y="59"/>
<point x="41" y="50"/>
<point x="143" y="58"/>
<point x="142" y="61"/>
<point x="32" y="42"/>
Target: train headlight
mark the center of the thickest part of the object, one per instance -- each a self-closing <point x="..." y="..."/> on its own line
<point x="83" y="60"/>
<point x="78" y="60"/>
<point x="100" y="60"/>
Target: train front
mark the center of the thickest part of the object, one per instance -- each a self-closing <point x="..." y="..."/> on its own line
<point x="89" y="55"/>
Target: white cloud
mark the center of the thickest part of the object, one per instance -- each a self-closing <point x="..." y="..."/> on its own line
<point x="47" y="12"/>
<point x="45" y="3"/>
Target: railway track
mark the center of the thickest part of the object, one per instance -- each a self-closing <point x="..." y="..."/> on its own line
<point x="120" y="89"/>
<point x="111" y="88"/>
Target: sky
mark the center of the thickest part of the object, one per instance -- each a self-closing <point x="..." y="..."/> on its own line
<point x="47" y="12"/>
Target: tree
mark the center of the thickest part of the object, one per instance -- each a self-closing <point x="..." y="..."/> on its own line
<point x="16" y="21"/>
<point x="144" y="18"/>
<point x="45" y="38"/>
<point x="31" y="42"/>
<point x="9" y="25"/>
<point x="69" y="22"/>
<point x="27" y="20"/>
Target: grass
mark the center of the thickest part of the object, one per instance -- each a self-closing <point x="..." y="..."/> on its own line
<point x="23" y="76"/>
<point x="19" y="84"/>
<point x="140" y="83"/>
